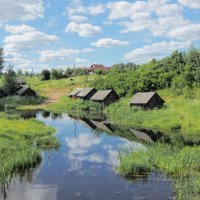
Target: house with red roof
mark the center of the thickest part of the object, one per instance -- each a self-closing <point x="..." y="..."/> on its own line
<point x="95" y="67"/>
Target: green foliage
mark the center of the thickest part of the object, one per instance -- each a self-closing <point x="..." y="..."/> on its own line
<point x="45" y="75"/>
<point x="18" y="140"/>
<point x="178" y="71"/>
<point x="9" y="82"/>
<point x="1" y="60"/>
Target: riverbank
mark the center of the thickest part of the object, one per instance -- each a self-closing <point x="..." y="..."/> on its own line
<point x="21" y="142"/>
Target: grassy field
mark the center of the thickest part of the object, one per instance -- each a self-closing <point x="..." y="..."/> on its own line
<point x="21" y="142"/>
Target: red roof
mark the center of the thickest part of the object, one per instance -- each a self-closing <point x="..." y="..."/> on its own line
<point x="96" y="67"/>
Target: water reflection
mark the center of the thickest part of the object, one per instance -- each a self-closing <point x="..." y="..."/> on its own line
<point x="83" y="167"/>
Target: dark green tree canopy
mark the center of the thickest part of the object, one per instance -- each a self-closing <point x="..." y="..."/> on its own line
<point x="45" y="75"/>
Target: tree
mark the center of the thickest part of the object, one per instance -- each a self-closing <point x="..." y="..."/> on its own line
<point x="19" y="72"/>
<point x="45" y="75"/>
<point x="9" y="82"/>
<point x="1" y="60"/>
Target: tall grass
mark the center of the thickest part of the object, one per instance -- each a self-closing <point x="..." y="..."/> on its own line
<point x="181" y="164"/>
<point x="19" y="142"/>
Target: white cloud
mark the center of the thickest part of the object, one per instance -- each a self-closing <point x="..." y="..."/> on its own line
<point x="20" y="10"/>
<point x="27" y="41"/>
<point x="187" y="32"/>
<point x="83" y="29"/>
<point x="62" y="54"/>
<point x="108" y="42"/>
<point x="96" y="9"/>
<point x="81" y="60"/>
<point x="18" y="29"/>
<point x="76" y="7"/>
<point x="195" y="4"/>
<point x="78" y="18"/>
<point x="156" y="50"/>
<point x="161" y="18"/>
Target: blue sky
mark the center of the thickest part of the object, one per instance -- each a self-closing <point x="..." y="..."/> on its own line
<point x="49" y="34"/>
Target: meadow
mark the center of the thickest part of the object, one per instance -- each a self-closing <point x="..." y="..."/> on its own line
<point x="21" y="142"/>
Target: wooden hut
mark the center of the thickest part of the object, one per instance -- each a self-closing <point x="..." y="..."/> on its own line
<point x="26" y="91"/>
<point x="86" y="93"/>
<point x="105" y="97"/>
<point x="147" y="100"/>
<point x="20" y="82"/>
<point x="74" y="93"/>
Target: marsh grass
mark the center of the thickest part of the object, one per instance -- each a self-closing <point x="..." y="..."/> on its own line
<point x="18" y="139"/>
<point x="180" y="164"/>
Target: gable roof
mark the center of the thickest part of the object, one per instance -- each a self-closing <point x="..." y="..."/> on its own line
<point x="96" y="67"/>
<point x="75" y="92"/>
<point x="100" y="95"/>
<point x="142" y="97"/>
<point x="84" y="92"/>
<point x="24" y="89"/>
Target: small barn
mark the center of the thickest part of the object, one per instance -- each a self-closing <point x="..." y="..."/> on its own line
<point x="26" y="91"/>
<point x="20" y="82"/>
<point x="105" y="97"/>
<point x="74" y="93"/>
<point x="86" y="93"/>
<point x="147" y="100"/>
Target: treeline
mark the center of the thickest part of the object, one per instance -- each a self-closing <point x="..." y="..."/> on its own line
<point x="60" y="73"/>
<point x="180" y="71"/>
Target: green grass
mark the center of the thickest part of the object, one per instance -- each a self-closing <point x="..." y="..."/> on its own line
<point x="181" y="164"/>
<point x="179" y="114"/>
<point x="20" y="144"/>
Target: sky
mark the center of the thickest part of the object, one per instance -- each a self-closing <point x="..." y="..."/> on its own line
<point x="46" y="34"/>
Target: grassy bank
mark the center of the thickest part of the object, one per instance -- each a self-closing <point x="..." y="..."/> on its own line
<point x="179" y="163"/>
<point x="20" y="144"/>
<point x="179" y="115"/>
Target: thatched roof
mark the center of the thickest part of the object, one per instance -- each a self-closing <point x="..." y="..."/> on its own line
<point x="75" y="92"/>
<point x="23" y="90"/>
<point x="84" y="92"/>
<point x="100" y="95"/>
<point x="142" y="97"/>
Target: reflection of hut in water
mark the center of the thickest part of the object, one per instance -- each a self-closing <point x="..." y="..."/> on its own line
<point x="45" y="114"/>
<point x="103" y="126"/>
<point x="147" y="100"/>
<point x="141" y="135"/>
<point x="105" y="97"/>
<point x="55" y="116"/>
<point x="87" y="123"/>
<point x="86" y="93"/>
<point x="74" y="93"/>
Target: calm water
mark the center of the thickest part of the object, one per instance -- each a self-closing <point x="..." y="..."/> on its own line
<point x="83" y="168"/>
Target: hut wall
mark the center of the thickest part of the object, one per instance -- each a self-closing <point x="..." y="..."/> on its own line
<point x="155" y="101"/>
<point x="29" y="93"/>
<point x="111" y="98"/>
<point x="89" y="95"/>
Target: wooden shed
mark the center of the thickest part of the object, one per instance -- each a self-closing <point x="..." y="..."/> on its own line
<point x="86" y="93"/>
<point x="20" y="82"/>
<point x="74" y="93"/>
<point x="147" y="100"/>
<point x="26" y="91"/>
<point x="105" y="97"/>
